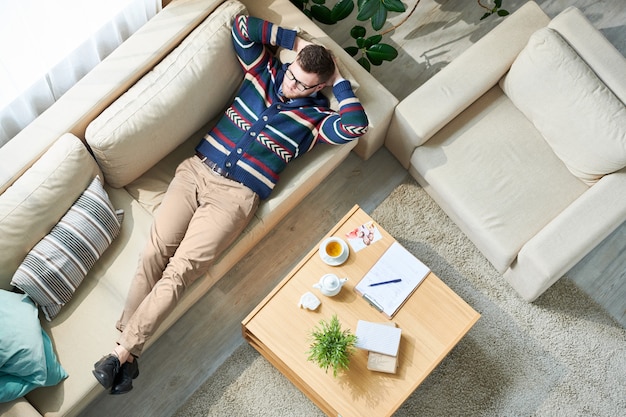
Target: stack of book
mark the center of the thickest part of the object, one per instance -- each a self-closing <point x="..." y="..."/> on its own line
<point x="382" y="340"/>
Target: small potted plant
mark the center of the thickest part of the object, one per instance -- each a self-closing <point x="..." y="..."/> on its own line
<point x="331" y="346"/>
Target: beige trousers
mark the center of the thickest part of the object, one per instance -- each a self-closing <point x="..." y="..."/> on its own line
<point x="201" y="215"/>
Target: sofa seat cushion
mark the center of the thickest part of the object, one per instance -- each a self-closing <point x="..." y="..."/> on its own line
<point x="500" y="182"/>
<point x="579" y="116"/>
<point x="36" y="201"/>
<point x="85" y="327"/>
<point x="186" y="89"/>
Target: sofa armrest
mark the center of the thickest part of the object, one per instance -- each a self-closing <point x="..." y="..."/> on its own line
<point x="570" y="236"/>
<point x="439" y="100"/>
<point x="377" y="101"/>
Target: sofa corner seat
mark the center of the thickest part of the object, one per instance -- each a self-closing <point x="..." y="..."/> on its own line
<point x="498" y="145"/>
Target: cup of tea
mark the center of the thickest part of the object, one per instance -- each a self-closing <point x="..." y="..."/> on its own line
<point x="334" y="251"/>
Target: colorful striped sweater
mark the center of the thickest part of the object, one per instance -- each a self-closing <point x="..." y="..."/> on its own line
<point x="259" y="134"/>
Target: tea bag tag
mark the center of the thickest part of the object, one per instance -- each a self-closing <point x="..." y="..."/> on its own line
<point x="309" y="301"/>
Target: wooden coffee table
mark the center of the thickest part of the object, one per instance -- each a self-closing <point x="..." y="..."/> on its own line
<point x="433" y="320"/>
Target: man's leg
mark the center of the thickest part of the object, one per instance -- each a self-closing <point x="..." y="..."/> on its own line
<point x="224" y="209"/>
<point x="117" y="370"/>
<point x="168" y="229"/>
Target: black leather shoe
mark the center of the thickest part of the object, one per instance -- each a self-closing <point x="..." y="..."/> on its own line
<point x="106" y="369"/>
<point x="124" y="379"/>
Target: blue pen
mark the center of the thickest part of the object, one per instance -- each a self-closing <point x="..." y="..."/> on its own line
<point x="385" y="282"/>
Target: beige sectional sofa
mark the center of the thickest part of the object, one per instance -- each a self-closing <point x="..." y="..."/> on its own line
<point x="532" y="172"/>
<point x="130" y="122"/>
<point x="522" y="141"/>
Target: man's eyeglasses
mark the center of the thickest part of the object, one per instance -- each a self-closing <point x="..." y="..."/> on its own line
<point x="299" y="84"/>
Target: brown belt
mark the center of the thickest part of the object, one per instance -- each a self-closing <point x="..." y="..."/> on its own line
<point x="212" y="166"/>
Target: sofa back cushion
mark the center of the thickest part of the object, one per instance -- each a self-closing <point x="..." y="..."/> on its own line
<point x="590" y="44"/>
<point x="187" y="88"/>
<point x="578" y="115"/>
<point x="36" y="201"/>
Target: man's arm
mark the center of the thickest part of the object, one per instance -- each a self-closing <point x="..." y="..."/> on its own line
<point x="250" y="35"/>
<point x="351" y="122"/>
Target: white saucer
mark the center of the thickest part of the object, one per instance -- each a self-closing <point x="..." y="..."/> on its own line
<point x="335" y="262"/>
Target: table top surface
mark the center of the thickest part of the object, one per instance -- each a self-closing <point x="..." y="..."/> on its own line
<point x="433" y="320"/>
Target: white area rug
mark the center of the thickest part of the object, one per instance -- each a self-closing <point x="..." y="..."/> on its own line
<point x="559" y="356"/>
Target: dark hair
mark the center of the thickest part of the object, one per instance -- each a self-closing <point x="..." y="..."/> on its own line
<point x="317" y="60"/>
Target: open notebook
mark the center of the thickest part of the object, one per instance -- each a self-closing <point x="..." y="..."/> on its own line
<point x="401" y="271"/>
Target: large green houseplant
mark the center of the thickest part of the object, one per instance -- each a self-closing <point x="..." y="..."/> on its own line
<point x="370" y="50"/>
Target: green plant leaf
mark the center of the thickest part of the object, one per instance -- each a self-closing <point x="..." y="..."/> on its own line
<point x="368" y="8"/>
<point x="373" y="40"/>
<point x="394" y="5"/>
<point x="342" y="10"/>
<point x="364" y="63"/>
<point x="486" y="15"/>
<point x="360" y="43"/>
<point x="319" y="1"/>
<point x="502" y="13"/>
<point x="352" y="50"/>
<point x="379" y="18"/>
<point x="357" y="32"/>
<point x="322" y="14"/>
<point x="382" y="51"/>
<point x="498" y="3"/>
<point x="375" y="61"/>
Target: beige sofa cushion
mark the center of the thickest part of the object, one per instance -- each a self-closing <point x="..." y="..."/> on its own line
<point x="38" y="199"/>
<point x="581" y="119"/>
<point x="600" y="54"/>
<point x="189" y="87"/>
<point x="91" y="314"/>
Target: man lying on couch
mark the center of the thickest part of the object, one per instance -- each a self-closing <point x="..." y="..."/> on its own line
<point x="278" y="115"/>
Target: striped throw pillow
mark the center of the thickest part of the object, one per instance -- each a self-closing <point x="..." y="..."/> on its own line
<point x="56" y="266"/>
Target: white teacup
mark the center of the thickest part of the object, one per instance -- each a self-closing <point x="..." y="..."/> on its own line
<point x="334" y="251"/>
